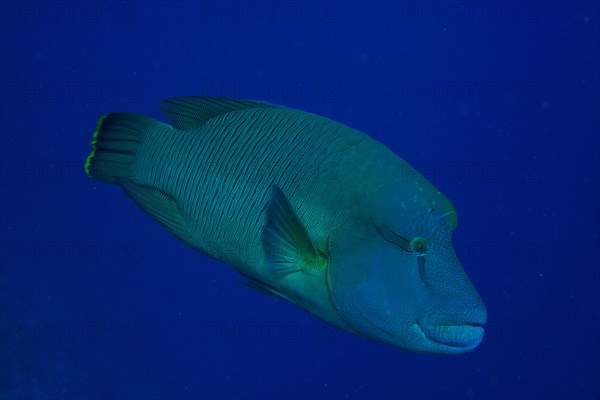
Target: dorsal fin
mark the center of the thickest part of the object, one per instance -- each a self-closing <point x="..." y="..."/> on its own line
<point x="192" y="112"/>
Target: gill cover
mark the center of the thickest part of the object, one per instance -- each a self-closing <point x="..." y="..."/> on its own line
<point x="368" y="283"/>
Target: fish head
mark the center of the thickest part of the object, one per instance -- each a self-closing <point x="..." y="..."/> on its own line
<point x="394" y="277"/>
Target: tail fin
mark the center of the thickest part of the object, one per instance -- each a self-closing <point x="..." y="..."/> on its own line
<point x="114" y="145"/>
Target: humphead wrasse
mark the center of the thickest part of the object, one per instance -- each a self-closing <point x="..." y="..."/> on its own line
<point x="306" y="208"/>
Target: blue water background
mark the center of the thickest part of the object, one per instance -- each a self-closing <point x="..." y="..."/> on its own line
<point x="497" y="104"/>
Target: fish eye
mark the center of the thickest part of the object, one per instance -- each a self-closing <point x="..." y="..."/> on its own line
<point x="418" y="245"/>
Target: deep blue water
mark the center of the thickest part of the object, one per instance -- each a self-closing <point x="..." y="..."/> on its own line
<point x="496" y="103"/>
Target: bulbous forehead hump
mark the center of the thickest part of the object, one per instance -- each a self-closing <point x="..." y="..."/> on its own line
<point x="418" y="195"/>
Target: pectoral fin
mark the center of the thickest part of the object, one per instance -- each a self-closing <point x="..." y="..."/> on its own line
<point x="286" y="243"/>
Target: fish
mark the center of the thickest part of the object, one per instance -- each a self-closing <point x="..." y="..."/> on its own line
<point x="307" y="209"/>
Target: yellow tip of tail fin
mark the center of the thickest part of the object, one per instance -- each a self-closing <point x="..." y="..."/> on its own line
<point x="114" y="145"/>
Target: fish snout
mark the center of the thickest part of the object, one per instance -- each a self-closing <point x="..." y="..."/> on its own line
<point x="460" y="330"/>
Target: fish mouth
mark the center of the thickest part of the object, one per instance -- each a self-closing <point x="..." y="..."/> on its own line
<point x="464" y="336"/>
<point x="447" y="338"/>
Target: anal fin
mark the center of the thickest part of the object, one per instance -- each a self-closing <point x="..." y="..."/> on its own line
<point x="158" y="205"/>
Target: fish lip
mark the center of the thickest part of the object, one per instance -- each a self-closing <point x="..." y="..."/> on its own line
<point x="464" y="336"/>
<point x="443" y="345"/>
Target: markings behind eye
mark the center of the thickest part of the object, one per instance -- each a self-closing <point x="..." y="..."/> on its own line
<point x="394" y="238"/>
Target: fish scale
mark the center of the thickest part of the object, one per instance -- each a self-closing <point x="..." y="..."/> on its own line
<point x="206" y="195"/>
